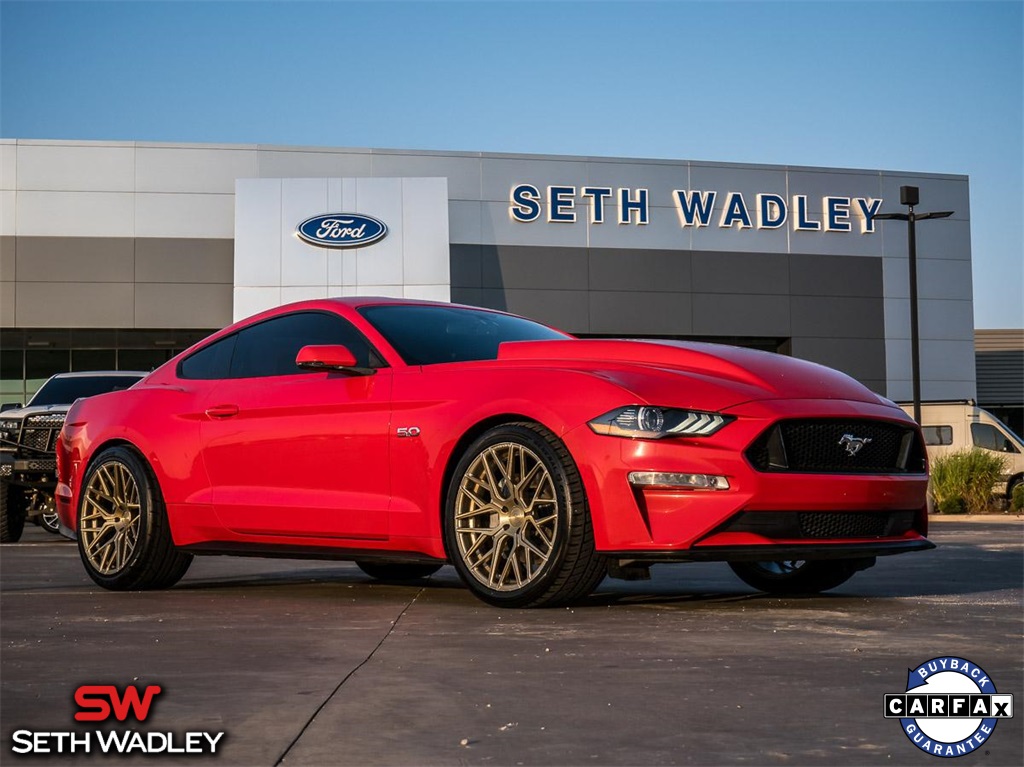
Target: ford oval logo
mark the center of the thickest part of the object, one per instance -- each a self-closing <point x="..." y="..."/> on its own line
<point x="342" y="230"/>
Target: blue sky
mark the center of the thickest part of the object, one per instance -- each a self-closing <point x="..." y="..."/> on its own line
<point x="915" y="86"/>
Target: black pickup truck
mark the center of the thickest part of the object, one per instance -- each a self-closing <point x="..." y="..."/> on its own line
<point x="28" y="436"/>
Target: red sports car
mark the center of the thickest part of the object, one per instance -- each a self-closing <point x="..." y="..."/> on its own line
<point x="405" y="435"/>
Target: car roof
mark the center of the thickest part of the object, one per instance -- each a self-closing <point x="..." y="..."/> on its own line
<point x="100" y="373"/>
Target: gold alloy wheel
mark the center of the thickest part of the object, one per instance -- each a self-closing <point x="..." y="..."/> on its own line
<point x="506" y="516"/>
<point x="110" y="521"/>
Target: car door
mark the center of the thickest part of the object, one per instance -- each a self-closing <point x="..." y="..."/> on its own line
<point x="298" y="454"/>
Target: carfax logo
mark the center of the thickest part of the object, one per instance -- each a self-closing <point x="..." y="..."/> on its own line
<point x="950" y="707"/>
<point x="103" y="702"/>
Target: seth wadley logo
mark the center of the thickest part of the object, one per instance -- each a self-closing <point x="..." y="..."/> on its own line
<point x="103" y="702"/>
<point x="950" y="707"/>
<point x="695" y="208"/>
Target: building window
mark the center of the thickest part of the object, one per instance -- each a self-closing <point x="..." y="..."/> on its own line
<point x="29" y="357"/>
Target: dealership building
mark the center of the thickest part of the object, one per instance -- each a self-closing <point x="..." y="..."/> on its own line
<point x="119" y="254"/>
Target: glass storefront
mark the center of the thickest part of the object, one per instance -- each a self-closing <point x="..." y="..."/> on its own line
<point x="29" y="357"/>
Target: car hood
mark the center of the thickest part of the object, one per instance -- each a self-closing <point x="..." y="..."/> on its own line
<point x="710" y="376"/>
<point x="23" y="412"/>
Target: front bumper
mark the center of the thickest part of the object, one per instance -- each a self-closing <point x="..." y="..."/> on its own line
<point x="676" y="524"/>
<point x="37" y="472"/>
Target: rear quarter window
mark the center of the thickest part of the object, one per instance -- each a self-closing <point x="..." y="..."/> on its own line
<point x="209" y="363"/>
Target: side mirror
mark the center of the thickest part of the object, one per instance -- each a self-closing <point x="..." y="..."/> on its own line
<point x="9" y="406"/>
<point x="329" y="357"/>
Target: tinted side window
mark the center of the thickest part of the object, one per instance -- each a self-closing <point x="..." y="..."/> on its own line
<point x="938" y="435"/>
<point x="428" y="335"/>
<point x="210" y="362"/>
<point x="270" y="348"/>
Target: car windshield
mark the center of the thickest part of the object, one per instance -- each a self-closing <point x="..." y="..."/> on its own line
<point x="428" y="335"/>
<point x="64" y="391"/>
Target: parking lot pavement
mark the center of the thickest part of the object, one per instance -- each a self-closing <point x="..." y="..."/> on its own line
<point x="311" y="663"/>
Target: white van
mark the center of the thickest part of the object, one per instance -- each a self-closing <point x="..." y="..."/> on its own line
<point x="952" y="426"/>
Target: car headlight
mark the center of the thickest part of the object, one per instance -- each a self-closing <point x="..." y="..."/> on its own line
<point x="9" y="429"/>
<point x="648" y="422"/>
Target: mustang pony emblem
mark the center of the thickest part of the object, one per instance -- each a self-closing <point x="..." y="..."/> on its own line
<point x="853" y="444"/>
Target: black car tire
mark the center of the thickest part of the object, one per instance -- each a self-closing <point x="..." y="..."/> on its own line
<point x="800" y="577"/>
<point x="153" y="561"/>
<point x="12" y="513"/>
<point x="572" y="568"/>
<point x="396" y="571"/>
<point x="50" y="522"/>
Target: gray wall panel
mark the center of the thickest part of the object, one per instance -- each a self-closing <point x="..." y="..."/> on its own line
<point x="764" y="273"/>
<point x="835" y="276"/>
<point x="741" y="315"/>
<point x="641" y="270"/>
<point x="565" y="309"/>
<point x="937" y="193"/>
<point x="736" y="240"/>
<point x="163" y="305"/>
<point x="819" y="184"/>
<point x="7" y="258"/>
<point x="184" y="260"/>
<point x="75" y="305"/>
<point x="499" y="175"/>
<point x="75" y="259"/>
<point x="837" y="317"/>
<point x="660" y="179"/>
<point x="298" y="164"/>
<point x="465" y="266"/>
<point x="639" y="313"/>
<point x="534" y="268"/>
<point x="463" y="173"/>
<point x="8" y="301"/>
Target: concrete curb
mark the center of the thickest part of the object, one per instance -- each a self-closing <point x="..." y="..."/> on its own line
<point x="975" y="518"/>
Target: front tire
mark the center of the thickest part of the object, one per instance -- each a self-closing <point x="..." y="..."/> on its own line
<point x="516" y="523"/>
<point x="393" y="571"/>
<point x="795" y="576"/>
<point x="124" y="537"/>
<point x="12" y="513"/>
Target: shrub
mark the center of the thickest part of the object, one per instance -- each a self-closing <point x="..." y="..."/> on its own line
<point x="1017" y="501"/>
<point x="967" y="476"/>
<point x="954" y="504"/>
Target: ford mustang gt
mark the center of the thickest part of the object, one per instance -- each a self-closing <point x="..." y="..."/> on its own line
<point x="404" y="435"/>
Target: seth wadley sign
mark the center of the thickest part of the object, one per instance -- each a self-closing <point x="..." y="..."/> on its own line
<point x="695" y="208"/>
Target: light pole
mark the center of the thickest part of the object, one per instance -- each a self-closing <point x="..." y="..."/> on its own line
<point x="910" y="196"/>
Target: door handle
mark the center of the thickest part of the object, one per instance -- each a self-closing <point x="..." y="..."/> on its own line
<point x="222" y="411"/>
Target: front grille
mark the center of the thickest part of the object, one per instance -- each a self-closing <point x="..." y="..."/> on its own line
<point x="815" y="524"/>
<point x="37" y="439"/>
<point x="52" y="420"/>
<point x="40" y="432"/>
<point x="42" y="464"/>
<point x="834" y="446"/>
<point x="820" y="525"/>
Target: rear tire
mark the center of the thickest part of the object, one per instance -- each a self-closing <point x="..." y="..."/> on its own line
<point x="124" y="537"/>
<point x="48" y="519"/>
<point x="796" y="576"/>
<point x="517" y="525"/>
<point x="393" y="571"/>
<point x="12" y="513"/>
